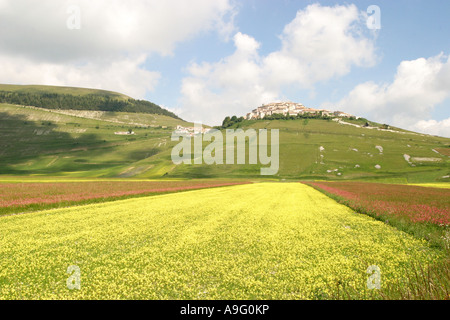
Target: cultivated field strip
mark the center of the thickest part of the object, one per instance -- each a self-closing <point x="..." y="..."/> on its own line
<point x="259" y="241"/>
<point x="20" y="197"/>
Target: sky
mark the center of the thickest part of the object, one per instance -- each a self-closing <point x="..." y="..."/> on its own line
<point x="387" y="61"/>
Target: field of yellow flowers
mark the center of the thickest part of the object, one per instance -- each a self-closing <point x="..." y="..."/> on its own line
<point x="256" y="241"/>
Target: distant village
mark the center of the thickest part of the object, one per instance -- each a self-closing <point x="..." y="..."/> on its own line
<point x="270" y="109"/>
<point x="191" y="131"/>
<point x="293" y="109"/>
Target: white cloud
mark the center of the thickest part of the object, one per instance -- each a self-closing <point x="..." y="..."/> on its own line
<point x="110" y="49"/>
<point x="438" y="128"/>
<point x="174" y="110"/>
<point x="409" y="100"/>
<point x="123" y="75"/>
<point x="319" y="44"/>
<point x="213" y="91"/>
<point x="38" y="29"/>
<point x="3" y="4"/>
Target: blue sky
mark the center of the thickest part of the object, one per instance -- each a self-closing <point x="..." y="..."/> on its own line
<point x="410" y="30"/>
<point x="208" y="59"/>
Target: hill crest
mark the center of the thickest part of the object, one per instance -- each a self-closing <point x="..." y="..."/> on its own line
<point x="72" y="98"/>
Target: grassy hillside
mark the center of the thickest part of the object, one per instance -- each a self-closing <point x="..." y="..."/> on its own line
<point x="38" y="89"/>
<point x="43" y="142"/>
<point x="67" y="98"/>
<point x="75" y="143"/>
<point x="348" y="153"/>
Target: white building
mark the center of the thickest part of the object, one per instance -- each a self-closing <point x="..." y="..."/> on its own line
<point x="191" y="131"/>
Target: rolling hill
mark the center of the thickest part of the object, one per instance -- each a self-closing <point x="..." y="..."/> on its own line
<point x="333" y="150"/>
<point x="42" y="89"/>
<point x="69" y="98"/>
<point x="84" y="143"/>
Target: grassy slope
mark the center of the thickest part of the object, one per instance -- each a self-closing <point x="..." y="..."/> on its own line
<point x="74" y="98"/>
<point x="61" y="90"/>
<point x="83" y="144"/>
<point x="300" y="156"/>
<point x="34" y="141"/>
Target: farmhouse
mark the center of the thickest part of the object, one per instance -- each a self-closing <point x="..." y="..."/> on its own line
<point x="341" y="114"/>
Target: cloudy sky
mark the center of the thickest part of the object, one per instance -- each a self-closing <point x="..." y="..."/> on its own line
<point x="207" y="59"/>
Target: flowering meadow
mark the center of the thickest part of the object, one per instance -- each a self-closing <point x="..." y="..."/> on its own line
<point x="18" y="197"/>
<point x="252" y="241"/>
<point x="423" y="211"/>
<point x="412" y="203"/>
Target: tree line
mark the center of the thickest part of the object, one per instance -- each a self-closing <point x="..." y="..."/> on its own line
<point x="230" y="121"/>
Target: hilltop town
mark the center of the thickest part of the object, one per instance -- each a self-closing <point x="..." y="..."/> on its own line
<point x="293" y="109"/>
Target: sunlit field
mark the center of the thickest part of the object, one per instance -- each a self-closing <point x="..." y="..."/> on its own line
<point x="414" y="204"/>
<point x="421" y="211"/>
<point x="255" y="241"/>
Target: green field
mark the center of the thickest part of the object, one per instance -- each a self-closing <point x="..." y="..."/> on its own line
<point x="260" y="241"/>
<point x="76" y="143"/>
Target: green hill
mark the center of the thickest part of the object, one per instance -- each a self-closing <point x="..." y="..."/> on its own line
<point x="80" y="143"/>
<point x="39" y="89"/>
<point x="85" y="143"/>
<point x="69" y="98"/>
<point x="328" y="150"/>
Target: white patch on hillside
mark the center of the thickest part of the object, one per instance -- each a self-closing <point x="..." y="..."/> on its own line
<point x="425" y="159"/>
<point x="407" y="158"/>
